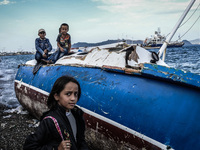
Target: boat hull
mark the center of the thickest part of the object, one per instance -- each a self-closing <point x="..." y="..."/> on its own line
<point x="170" y="45"/>
<point x="132" y="110"/>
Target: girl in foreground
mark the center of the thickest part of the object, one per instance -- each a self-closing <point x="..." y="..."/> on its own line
<point x="62" y="127"/>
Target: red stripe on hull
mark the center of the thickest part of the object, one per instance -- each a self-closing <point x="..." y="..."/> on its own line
<point x="32" y="94"/>
<point x="34" y="101"/>
<point x="121" y="137"/>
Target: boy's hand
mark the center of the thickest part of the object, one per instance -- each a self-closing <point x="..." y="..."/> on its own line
<point x="45" y="51"/>
<point x="62" y="49"/>
<point x="44" y="55"/>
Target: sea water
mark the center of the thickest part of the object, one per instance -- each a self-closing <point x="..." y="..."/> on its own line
<point x="8" y="70"/>
<point x="186" y="58"/>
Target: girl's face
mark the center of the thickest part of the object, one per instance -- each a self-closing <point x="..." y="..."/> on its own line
<point x="68" y="97"/>
<point x="64" y="29"/>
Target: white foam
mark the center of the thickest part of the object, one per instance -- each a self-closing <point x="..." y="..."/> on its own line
<point x="18" y="110"/>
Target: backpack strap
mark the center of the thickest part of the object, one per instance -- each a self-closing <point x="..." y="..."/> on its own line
<point x="57" y="125"/>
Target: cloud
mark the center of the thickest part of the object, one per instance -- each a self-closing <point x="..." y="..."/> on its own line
<point x="139" y="18"/>
<point x="93" y="20"/>
<point x="6" y="2"/>
<point x="118" y="6"/>
<point x="141" y="6"/>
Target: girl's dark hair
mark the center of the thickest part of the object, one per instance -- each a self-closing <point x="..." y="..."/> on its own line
<point x="58" y="86"/>
<point x="63" y="24"/>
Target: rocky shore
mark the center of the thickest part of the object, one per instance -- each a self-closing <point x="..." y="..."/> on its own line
<point x="14" y="128"/>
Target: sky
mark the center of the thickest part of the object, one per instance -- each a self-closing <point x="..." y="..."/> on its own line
<point x="91" y="20"/>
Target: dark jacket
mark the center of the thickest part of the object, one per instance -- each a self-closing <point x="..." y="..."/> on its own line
<point x="46" y="137"/>
<point x="42" y="44"/>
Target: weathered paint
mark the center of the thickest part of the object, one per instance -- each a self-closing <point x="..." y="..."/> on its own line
<point x="145" y="100"/>
<point x="114" y="134"/>
<point x="33" y="99"/>
<point x="172" y="74"/>
<point x="119" y="133"/>
<point x="160" y="72"/>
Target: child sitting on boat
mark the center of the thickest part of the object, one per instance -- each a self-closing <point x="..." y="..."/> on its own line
<point x="43" y="46"/>
<point x="63" y="42"/>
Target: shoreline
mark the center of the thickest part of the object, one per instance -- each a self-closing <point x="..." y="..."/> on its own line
<point x="16" y="53"/>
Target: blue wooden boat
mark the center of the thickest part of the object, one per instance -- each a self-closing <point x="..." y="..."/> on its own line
<point x="150" y="106"/>
<point x="131" y="99"/>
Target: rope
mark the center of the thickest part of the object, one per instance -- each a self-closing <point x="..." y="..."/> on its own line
<point x="190" y="16"/>
<point x="190" y="27"/>
<point x="187" y="21"/>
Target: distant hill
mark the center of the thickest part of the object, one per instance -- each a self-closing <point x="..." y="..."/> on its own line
<point x="196" y="41"/>
<point x="187" y="43"/>
<point x="191" y="42"/>
<point x="85" y="44"/>
<point x="134" y="41"/>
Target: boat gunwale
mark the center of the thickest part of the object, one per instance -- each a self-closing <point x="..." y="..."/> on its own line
<point x="146" y="70"/>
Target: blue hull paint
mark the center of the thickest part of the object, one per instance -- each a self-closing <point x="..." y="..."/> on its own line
<point x="166" y="109"/>
<point x="168" y="46"/>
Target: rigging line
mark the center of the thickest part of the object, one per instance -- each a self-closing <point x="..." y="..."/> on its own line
<point x="190" y="16"/>
<point x="190" y="27"/>
<point x="187" y="20"/>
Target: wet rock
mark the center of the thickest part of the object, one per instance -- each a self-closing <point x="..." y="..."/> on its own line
<point x="14" y="129"/>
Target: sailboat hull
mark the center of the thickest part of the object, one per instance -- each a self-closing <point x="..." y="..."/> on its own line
<point x="131" y="109"/>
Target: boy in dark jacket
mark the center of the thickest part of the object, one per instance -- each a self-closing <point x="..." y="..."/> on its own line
<point x="42" y="45"/>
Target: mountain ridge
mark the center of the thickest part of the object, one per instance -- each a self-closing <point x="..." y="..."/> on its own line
<point x="128" y="41"/>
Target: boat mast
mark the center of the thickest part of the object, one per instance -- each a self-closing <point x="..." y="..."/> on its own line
<point x="164" y="46"/>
